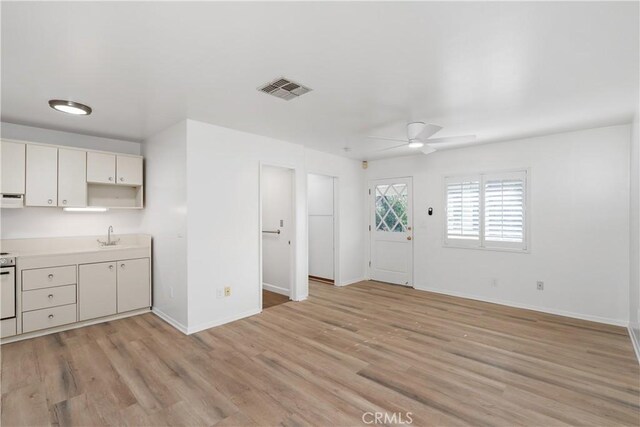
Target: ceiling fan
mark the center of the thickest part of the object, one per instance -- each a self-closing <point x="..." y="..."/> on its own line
<point x="419" y="136"/>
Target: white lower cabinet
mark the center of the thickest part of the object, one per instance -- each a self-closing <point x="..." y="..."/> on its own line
<point x="48" y="318"/>
<point x="8" y="327"/>
<point x="97" y="290"/>
<point x="134" y="284"/>
<point x="108" y="288"/>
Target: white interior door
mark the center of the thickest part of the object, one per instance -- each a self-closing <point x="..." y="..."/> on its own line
<point x="391" y="231"/>
<point x="277" y="229"/>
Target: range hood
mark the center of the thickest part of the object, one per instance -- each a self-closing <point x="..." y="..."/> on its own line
<point x="12" y="201"/>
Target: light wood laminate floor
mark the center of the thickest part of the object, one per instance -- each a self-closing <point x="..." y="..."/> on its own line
<point x="271" y="299"/>
<point x="326" y="361"/>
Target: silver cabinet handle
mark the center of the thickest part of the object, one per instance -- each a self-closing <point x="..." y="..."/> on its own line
<point x="121" y="179"/>
<point x="50" y="201"/>
<point x="50" y="276"/>
<point x="121" y="265"/>
<point x="64" y="202"/>
<point x="50" y="296"/>
<point x="111" y="267"/>
<point x="110" y="178"/>
<point x="51" y="316"/>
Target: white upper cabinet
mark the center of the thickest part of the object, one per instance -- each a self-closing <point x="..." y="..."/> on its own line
<point x="59" y="176"/>
<point x="41" y="176"/>
<point x="101" y="168"/>
<point x="13" y="167"/>
<point x="72" y="182"/>
<point x="129" y="170"/>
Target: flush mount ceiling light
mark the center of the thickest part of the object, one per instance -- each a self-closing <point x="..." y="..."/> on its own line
<point x="70" y="107"/>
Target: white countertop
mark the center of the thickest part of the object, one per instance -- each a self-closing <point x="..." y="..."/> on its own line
<point x="72" y="245"/>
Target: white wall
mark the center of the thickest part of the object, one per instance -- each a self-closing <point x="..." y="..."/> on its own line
<point x="277" y="205"/>
<point x="224" y="238"/>
<point x="54" y="222"/>
<point x="579" y="218"/>
<point x="165" y="218"/>
<point x="634" y="241"/>
<point x="321" y="233"/>
<point x="351" y="220"/>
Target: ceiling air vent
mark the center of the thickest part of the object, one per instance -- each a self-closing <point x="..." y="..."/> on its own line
<point x="284" y="89"/>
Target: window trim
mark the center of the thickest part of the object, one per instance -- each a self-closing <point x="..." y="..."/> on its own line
<point x="481" y="244"/>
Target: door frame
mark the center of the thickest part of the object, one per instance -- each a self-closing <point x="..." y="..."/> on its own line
<point x="293" y="270"/>
<point x="336" y="223"/>
<point x="371" y="221"/>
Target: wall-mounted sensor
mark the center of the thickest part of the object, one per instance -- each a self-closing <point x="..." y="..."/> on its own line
<point x="430" y="211"/>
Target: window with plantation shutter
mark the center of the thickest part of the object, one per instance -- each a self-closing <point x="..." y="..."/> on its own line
<point x="463" y="209"/>
<point x="487" y="211"/>
<point x="504" y="210"/>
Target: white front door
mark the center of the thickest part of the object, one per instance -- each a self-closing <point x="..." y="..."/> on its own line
<point x="391" y="231"/>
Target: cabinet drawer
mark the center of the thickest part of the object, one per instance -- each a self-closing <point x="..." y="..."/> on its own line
<point x="7" y="327"/>
<point x="48" y="318"/>
<point x="48" y="277"/>
<point x="50" y="297"/>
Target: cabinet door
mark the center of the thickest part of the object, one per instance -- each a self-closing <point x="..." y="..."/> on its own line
<point x="72" y="178"/>
<point x="134" y="290"/>
<point x="13" y="167"/>
<point x="42" y="176"/>
<point x="97" y="290"/>
<point x="101" y="168"/>
<point x="129" y="170"/>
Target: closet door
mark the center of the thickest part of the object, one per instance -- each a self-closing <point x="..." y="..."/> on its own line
<point x="42" y="176"/>
<point x="72" y="178"/>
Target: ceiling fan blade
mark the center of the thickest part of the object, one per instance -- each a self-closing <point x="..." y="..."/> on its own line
<point x="427" y="131"/>
<point x="452" y="139"/>
<point x="388" y="139"/>
<point x="391" y="148"/>
<point x="427" y="150"/>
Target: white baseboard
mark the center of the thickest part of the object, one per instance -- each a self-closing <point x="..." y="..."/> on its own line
<point x="207" y="325"/>
<point x="634" y="341"/>
<point x="276" y="289"/>
<point x="170" y="320"/>
<point x="352" y="281"/>
<point x="581" y="316"/>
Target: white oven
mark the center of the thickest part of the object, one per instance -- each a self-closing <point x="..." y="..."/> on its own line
<point x="7" y="287"/>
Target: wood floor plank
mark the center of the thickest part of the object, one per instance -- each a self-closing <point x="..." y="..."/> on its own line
<point x="346" y="351"/>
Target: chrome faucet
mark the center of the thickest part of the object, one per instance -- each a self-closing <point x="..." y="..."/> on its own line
<point x="109" y="242"/>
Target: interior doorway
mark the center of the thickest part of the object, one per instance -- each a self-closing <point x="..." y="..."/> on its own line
<point x="391" y="256"/>
<point x="321" y="196"/>
<point x="278" y="231"/>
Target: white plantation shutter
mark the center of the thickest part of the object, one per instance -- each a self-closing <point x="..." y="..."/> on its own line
<point x="487" y="211"/>
<point x="504" y="210"/>
<point x="463" y="209"/>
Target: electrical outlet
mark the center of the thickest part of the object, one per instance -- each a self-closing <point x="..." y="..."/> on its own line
<point x="540" y="285"/>
<point x="227" y="291"/>
<point x="219" y="293"/>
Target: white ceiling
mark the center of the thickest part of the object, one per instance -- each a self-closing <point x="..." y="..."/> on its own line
<point x="497" y="70"/>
